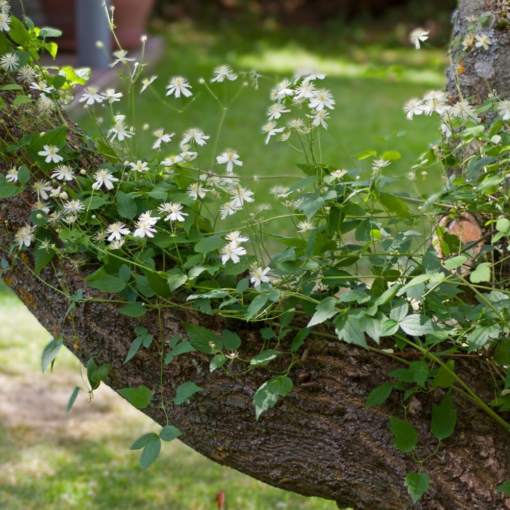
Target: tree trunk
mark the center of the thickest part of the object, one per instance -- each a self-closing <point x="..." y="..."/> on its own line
<point x="317" y="441"/>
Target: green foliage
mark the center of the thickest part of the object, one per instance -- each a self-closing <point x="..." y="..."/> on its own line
<point x="50" y="352"/>
<point x="405" y="434"/>
<point x="417" y="484"/>
<point x="267" y="395"/>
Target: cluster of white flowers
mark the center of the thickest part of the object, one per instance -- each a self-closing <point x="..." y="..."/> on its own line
<point x="436" y="102"/>
<point x="91" y="95"/>
<point x="5" y="18"/>
<point x="473" y="41"/>
<point x="233" y="250"/>
<point x="287" y="95"/>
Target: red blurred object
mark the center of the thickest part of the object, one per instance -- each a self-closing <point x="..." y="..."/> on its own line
<point x="220" y="500"/>
<point x="130" y="19"/>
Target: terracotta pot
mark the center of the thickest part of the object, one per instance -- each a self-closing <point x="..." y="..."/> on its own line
<point x="130" y="19"/>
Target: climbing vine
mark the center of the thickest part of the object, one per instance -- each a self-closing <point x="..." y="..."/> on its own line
<point x="409" y="277"/>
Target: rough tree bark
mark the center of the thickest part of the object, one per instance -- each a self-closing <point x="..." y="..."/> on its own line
<point x="319" y="440"/>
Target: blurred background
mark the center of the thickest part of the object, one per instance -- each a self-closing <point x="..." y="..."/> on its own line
<point x="52" y="461"/>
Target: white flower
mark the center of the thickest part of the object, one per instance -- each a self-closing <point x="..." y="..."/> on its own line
<point x="196" y="135"/>
<point x="463" y="110"/>
<point x="275" y="111"/>
<point x="413" y="107"/>
<point x="41" y="188"/>
<point x="305" y="91"/>
<point x="435" y="101"/>
<point x="271" y="129"/>
<point x="25" y="235"/>
<point x="297" y="124"/>
<point x="229" y="157"/>
<point x="304" y="226"/>
<point x="446" y="127"/>
<point x="105" y="177"/>
<point x="171" y="160"/>
<point x="111" y="96"/>
<point x="45" y="105"/>
<point x="228" y="209"/>
<point x="241" y="195"/>
<point x="338" y="174"/>
<point x="196" y="190"/>
<point x="223" y="72"/>
<point x="12" y="175"/>
<point x="41" y="86"/>
<point x="178" y="86"/>
<point x="282" y="89"/>
<point x="91" y="95"/>
<point x="145" y="225"/>
<point x="74" y="207"/>
<point x="5" y="19"/>
<point x="139" y="166"/>
<point x="321" y="99"/>
<point x="319" y="118"/>
<point x="63" y="172"/>
<point x="161" y="137"/>
<point x="41" y="206"/>
<point x="504" y="109"/>
<point x="116" y="231"/>
<point x="285" y="136"/>
<point x="9" y="61"/>
<point x="279" y="191"/>
<point x="314" y="77"/>
<point x="469" y="42"/>
<point x="188" y="155"/>
<point x="119" y="130"/>
<point x="146" y="82"/>
<point x="5" y="6"/>
<point x="377" y="164"/>
<point x="27" y="74"/>
<point x="55" y="217"/>
<point x="236" y="237"/>
<point x="483" y="41"/>
<point x="121" y="57"/>
<point x="116" y="245"/>
<point x="51" y="153"/>
<point x="173" y="211"/>
<point x="418" y="35"/>
<point x="258" y="276"/>
<point x="232" y="251"/>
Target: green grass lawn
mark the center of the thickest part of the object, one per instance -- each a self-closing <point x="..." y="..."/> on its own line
<point x="52" y="461"/>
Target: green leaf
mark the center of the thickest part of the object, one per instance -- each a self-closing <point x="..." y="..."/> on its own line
<point x="455" y="262"/>
<point x="143" y="441"/>
<point x="267" y="395"/>
<point x="217" y="362"/>
<point x="208" y="244"/>
<point x="99" y="374"/>
<point x="72" y="400"/>
<point x="417" y="485"/>
<point x="379" y="395"/>
<point x="169" y="433"/>
<point x="43" y="256"/>
<point x="108" y="283"/>
<point x="17" y="32"/>
<point x="445" y="377"/>
<point x="23" y="174"/>
<point x="150" y="454"/>
<point x="50" y="352"/>
<point x="185" y="391"/>
<point x="126" y="205"/>
<point x="137" y="342"/>
<point x="50" y="32"/>
<point x="444" y="418"/>
<point x="201" y="338"/>
<point x="482" y="273"/>
<point x="503" y="225"/>
<point x="176" y="279"/>
<point x="140" y="398"/>
<point x="264" y="357"/>
<point x="231" y="341"/>
<point x="94" y="202"/>
<point x="417" y="325"/>
<point x="324" y="311"/>
<point x="299" y="339"/>
<point x="22" y="99"/>
<point x="481" y="335"/>
<point x="181" y="348"/>
<point x="256" y="305"/>
<point x="391" y="155"/>
<point x="395" y="204"/>
<point x="504" y="487"/>
<point x="133" y="310"/>
<point x="389" y="327"/>
<point x="405" y="434"/>
<point x="420" y="372"/>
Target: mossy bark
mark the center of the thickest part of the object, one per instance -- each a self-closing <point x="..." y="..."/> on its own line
<point x="319" y="440"/>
